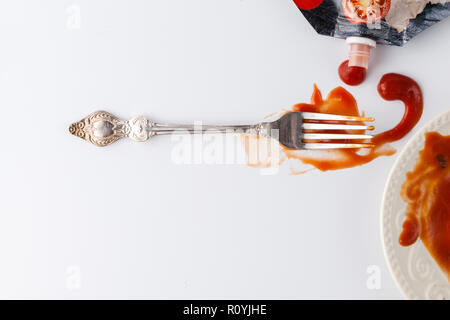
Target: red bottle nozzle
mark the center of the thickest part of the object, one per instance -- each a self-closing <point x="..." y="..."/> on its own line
<point x="360" y="51"/>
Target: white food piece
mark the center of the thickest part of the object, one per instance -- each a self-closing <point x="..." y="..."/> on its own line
<point x="402" y="11"/>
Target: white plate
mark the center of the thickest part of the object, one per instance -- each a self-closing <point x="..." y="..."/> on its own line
<point x="416" y="273"/>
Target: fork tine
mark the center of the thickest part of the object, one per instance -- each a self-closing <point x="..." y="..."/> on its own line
<point x="317" y="146"/>
<point x="325" y="126"/>
<point x="332" y="136"/>
<point x="326" y="116"/>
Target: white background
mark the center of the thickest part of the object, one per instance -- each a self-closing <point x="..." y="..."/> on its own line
<point x="78" y="221"/>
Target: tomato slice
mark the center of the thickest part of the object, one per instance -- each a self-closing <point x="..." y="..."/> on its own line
<point x="308" y="4"/>
<point x="365" y="11"/>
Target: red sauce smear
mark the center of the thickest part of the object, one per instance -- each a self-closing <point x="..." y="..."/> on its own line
<point x="352" y="76"/>
<point x="392" y="86"/>
<point x="427" y="193"/>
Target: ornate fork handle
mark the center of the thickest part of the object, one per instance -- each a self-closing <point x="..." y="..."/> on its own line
<point x="102" y="128"/>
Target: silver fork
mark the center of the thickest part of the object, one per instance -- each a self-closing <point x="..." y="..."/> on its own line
<point x="294" y="130"/>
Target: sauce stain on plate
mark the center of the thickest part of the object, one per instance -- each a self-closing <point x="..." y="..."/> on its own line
<point x="427" y="193"/>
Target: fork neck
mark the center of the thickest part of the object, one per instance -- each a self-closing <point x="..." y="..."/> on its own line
<point x="164" y="129"/>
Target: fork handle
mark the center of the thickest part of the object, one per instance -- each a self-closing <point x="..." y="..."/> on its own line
<point x="163" y="129"/>
<point x="101" y="128"/>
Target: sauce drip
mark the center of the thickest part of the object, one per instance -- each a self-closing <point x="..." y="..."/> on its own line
<point x="427" y="193"/>
<point x="352" y="76"/>
<point x="339" y="101"/>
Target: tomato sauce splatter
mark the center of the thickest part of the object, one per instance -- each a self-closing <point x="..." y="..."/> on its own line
<point x="339" y="101"/>
<point x="391" y="87"/>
